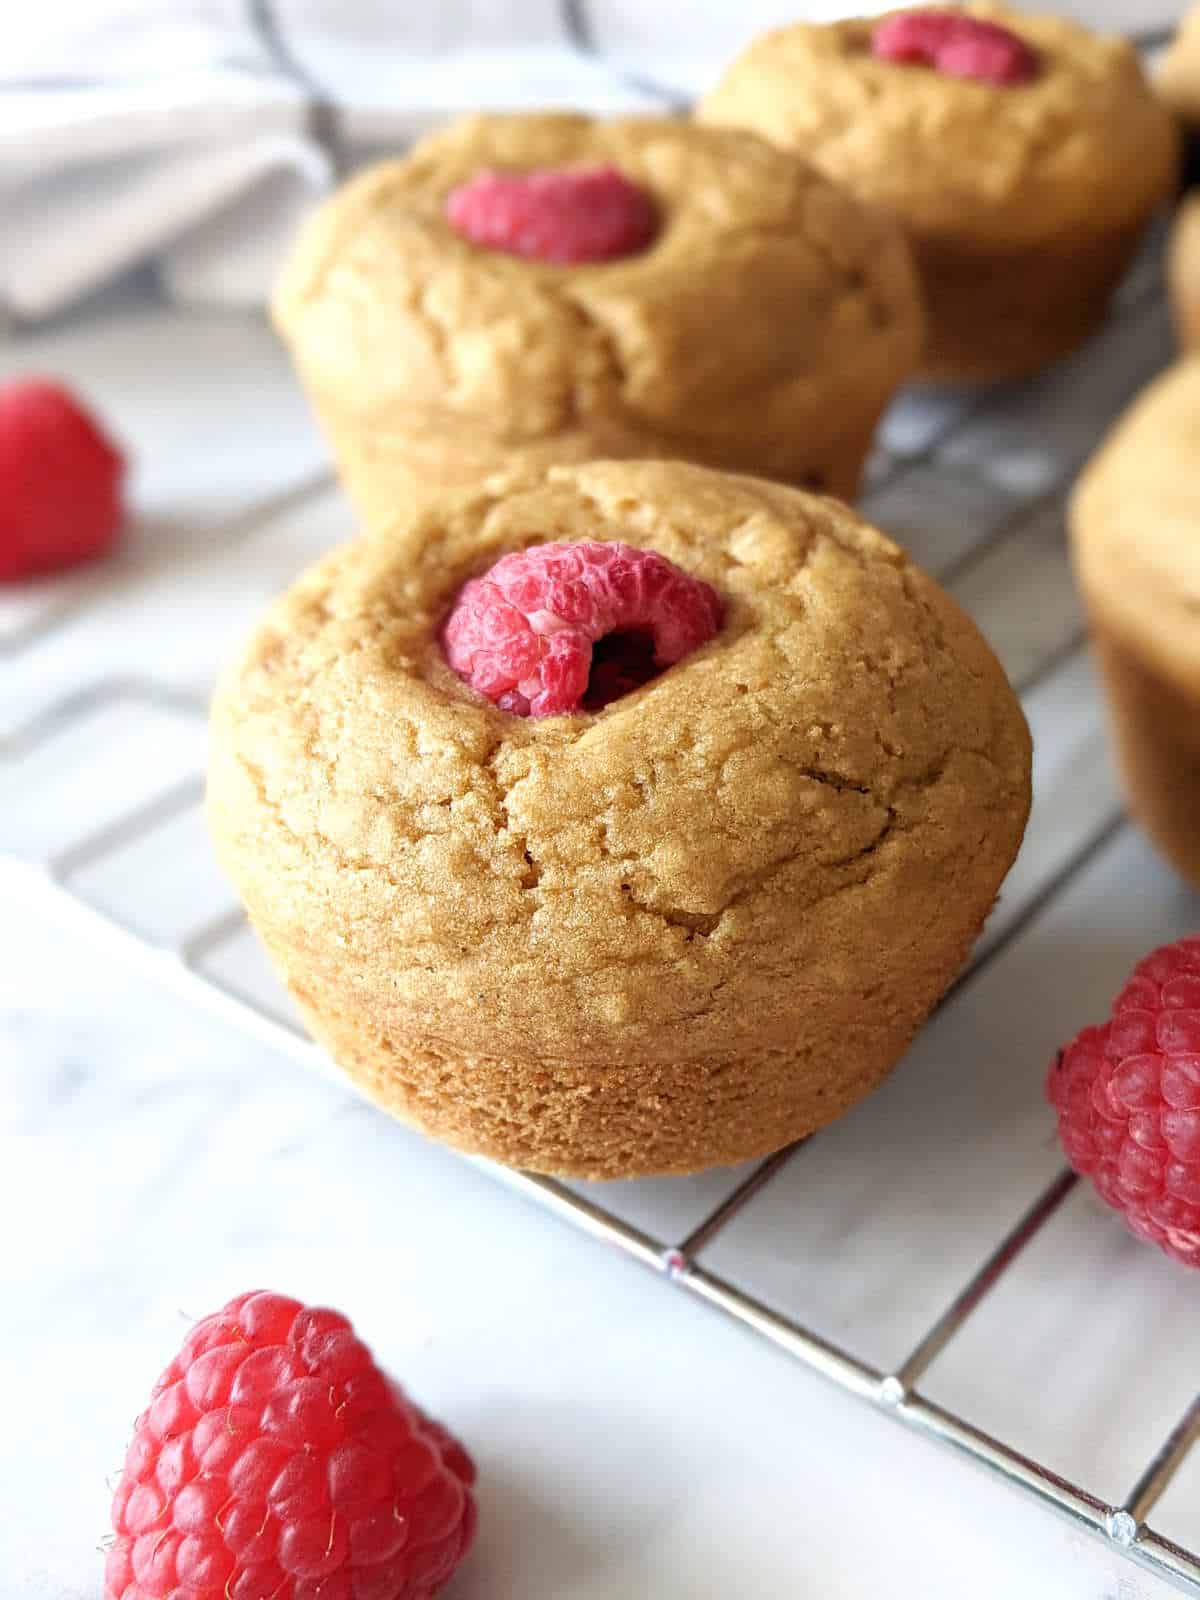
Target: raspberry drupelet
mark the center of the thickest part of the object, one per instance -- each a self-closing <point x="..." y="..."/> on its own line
<point x="1127" y="1094"/>
<point x="561" y="628"/>
<point x="277" y="1462"/>
<point x="956" y="46"/>
<point x="565" y="215"/>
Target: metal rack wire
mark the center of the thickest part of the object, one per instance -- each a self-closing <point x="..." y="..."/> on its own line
<point x="51" y="886"/>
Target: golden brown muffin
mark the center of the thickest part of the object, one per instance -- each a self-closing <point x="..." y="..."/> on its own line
<point x="1178" y="76"/>
<point x="681" y="931"/>
<point x="1183" y="271"/>
<point x="1135" y="523"/>
<point x="764" y="329"/>
<point x="1023" y="202"/>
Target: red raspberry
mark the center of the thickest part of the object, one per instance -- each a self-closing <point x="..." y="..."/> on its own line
<point x="562" y="214"/>
<point x="957" y="46"/>
<point x="277" y="1462"/>
<point x="564" y="627"/>
<point x="1128" y="1101"/>
<point x="60" y="481"/>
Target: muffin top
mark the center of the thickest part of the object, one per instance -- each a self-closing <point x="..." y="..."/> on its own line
<point x="1178" y="80"/>
<point x="1135" y="521"/>
<point x="762" y="280"/>
<point x="1083" y="144"/>
<point x="844" y="756"/>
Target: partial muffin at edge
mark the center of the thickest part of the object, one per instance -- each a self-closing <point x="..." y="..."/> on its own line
<point x="1183" y="271"/>
<point x="682" y="931"/>
<point x="764" y="329"/>
<point x="1135" y="528"/>
<point x="1023" y="203"/>
<point x="1177" y="79"/>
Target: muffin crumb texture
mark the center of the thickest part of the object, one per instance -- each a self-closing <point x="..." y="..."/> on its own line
<point x="681" y="931"/>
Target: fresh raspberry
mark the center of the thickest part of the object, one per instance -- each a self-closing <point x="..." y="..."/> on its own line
<point x="277" y="1462"/>
<point x="957" y="46"/>
<point x="1127" y="1096"/>
<point x="562" y="214"/>
<point x="60" y="481"/>
<point x="568" y="627"/>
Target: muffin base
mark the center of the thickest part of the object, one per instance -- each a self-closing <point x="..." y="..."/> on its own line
<point x="1156" y="732"/>
<point x="581" y="1119"/>
<point x="996" y="316"/>
<point x="380" y="465"/>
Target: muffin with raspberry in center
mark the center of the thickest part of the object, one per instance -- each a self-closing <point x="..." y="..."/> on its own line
<point x="618" y="819"/>
<point x="524" y="290"/>
<point x="1022" y="155"/>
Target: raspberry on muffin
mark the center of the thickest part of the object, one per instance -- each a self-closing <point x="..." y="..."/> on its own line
<point x="956" y="45"/>
<point x="1022" y="155"/>
<point x="569" y="627"/>
<point x="545" y="288"/>
<point x="566" y="214"/>
<point x="683" y="928"/>
<point x="1135" y="528"/>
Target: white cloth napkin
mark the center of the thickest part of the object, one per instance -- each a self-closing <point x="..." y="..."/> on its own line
<point x="198" y="132"/>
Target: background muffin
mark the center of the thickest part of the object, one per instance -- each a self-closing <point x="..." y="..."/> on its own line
<point x="764" y="327"/>
<point x="1136" y="528"/>
<point x="1178" y="76"/>
<point x="683" y="930"/>
<point x="1023" y="200"/>
<point x="1183" y="271"/>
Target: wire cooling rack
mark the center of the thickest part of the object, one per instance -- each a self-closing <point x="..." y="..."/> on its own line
<point x="981" y="481"/>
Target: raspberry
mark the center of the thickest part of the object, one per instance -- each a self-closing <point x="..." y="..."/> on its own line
<point x="1127" y="1095"/>
<point x="277" y="1462"/>
<point x="957" y="46"/>
<point x="60" y="481"/>
<point x="568" y="627"/>
<point x="562" y="214"/>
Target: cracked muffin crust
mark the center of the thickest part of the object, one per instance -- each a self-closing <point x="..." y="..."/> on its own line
<point x="1135" y="532"/>
<point x="680" y="931"/>
<point x="1023" y="202"/>
<point x="764" y="329"/>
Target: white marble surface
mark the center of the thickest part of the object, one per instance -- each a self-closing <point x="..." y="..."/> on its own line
<point x="156" y="1160"/>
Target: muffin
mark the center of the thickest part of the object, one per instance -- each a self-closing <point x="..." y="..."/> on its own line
<point x="680" y="930"/>
<point x="1183" y="271"/>
<point x="1178" y="76"/>
<point x="1135" y="526"/>
<point x="760" y="319"/>
<point x="1022" y="155"/>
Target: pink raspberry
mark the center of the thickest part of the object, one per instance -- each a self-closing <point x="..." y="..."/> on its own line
<point x="562" y="214"/>
<point x="564" y="627"/>
<point x="277" y="1460"/>
<point x="955" y="45"/>
<point x="1127" y="1095"/>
